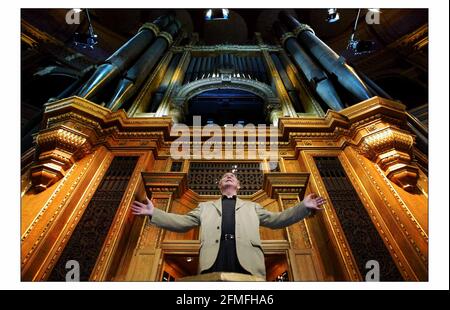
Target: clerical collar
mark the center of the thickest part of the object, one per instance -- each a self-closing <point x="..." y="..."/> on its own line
<point x="228" y="197"/>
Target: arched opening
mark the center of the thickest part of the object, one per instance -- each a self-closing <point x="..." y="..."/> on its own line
<point x="227" y="106"/>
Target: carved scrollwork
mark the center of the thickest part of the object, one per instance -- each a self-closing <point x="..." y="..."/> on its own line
<point x="74" y="125"/>
<point x="391" y="148"/>
<point x="58" y="148"/>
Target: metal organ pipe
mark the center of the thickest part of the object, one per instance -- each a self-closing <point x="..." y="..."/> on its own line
<point x="317" y="78"/>
<point x="137" y="74"/>
<point x="332" y="62"/>
<point x="121" y="59"/>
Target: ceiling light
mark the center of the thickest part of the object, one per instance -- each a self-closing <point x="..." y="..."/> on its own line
<point x="359" y="47"/>
<point x="88" y="39"/>
<point x="217" y="14"/>
<point x="333" y="16"/>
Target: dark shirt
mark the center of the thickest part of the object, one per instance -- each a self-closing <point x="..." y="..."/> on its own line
<point x="228" y="215"/>
<point x="227" y="259"/>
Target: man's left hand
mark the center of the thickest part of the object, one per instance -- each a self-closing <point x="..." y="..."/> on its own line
<point x="314" y="202"/>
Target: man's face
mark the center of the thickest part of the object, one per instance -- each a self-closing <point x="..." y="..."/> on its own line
<point x="229" y="180"/>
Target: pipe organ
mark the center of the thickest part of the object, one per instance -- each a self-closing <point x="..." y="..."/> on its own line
<point x="106" y="142"/>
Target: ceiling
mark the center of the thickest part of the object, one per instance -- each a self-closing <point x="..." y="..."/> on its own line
<point x="115" y="26"/>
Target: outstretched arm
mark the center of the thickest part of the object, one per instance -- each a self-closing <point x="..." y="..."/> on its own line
<point x="169" y="221"/>
<point x="289" y="216"/>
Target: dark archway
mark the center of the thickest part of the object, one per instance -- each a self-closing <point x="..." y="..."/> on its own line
<point x="227" y="106"/>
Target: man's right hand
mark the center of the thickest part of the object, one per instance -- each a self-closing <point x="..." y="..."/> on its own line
<point x="139" y="208"/>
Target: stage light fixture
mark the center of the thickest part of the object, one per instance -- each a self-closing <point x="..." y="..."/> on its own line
<point x="88" y="39"/>
<point x="217" y="14"/>
<point x="359" y="47"/>
<point x="333" y="16"/>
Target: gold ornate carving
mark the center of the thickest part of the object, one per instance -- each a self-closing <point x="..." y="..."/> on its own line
<point x="385" y="235"/>
<point x="335" y="226"/>
<point x="58" y="148"/>
<point x="391" y="149"/>
<point x="168" y="182"/>
<point x="149" y="234"/>
<point x="58" y="209"/>
<point x="74" y="125"/>
<point x="76" y="217"/>
<point x="299" y="227"/>
<point x="411" y="217"/>
<point x="376" y="127"/>
<point x="110" y="244"/>
<point x="275" y="183"/>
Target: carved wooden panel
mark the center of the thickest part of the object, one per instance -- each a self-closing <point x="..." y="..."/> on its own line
<point x="87" y="239"/>
<point x="362" y="236"/>
<point x="203" y="177"/>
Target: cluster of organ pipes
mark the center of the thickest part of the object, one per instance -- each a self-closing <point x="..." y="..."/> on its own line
<point x="311" y="54"/>
<point x="248" y="67"/>
<point x="126" y="70"/>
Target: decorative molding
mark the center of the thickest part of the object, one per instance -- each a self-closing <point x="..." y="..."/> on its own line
<point x="391" y="149"/>
<point x="276" y="183"/>
<point x="194" y="88"/>
<point x="74" y="125"/>
<point x="167" y="182"/>
<point x="75" y="219"/>
<point x="182" y="95"/>
<point x="58" y="148"/>
<point x="332" y="220"/>
<point x="419" y="228"/>
<point x="301" y="226"/>
<point x="373" y="212"/>
<point x="376" y="127"/>
<point x="220" y="48"/>
<point x="109" y="246"/>
<point x="56" y="212"/>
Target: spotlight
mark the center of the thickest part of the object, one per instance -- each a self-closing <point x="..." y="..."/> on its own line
<point x="88" y="39"/>
<point x="85" y="40"/>
<point x="217" y="14"/>
<point x="189" y="259"/>
<point x="361" y="46"/>
<point x="333" y="16"/>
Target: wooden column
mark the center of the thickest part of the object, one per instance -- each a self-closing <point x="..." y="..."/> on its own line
<point x="289" y="189"/>
<point x="162" y="187"/>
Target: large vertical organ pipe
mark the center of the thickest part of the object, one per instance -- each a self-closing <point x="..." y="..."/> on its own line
<point x="137" y="74"/>
<point x="123" y="58"/>
<point x="332" y="62"/>
<point x="317" y="78"/>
